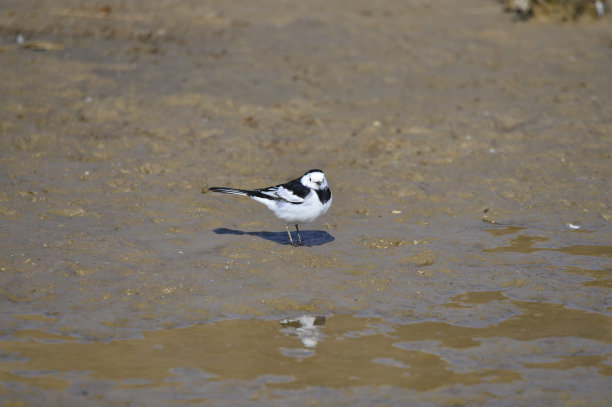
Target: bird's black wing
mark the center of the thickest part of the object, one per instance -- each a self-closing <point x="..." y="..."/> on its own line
<point x="292" y="191"/>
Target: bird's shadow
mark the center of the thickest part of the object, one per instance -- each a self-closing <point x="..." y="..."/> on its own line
<point x="309" y="237"/>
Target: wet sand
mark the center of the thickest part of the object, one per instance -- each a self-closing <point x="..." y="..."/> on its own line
<point x="466" y="258"/>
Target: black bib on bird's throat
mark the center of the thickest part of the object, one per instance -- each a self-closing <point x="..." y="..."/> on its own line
<point x="324" y="194"/>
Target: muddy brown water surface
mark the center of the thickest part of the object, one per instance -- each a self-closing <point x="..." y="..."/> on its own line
<point x="466" y="258"/>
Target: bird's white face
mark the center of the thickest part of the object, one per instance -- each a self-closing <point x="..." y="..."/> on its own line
<point x="314" y="180"/>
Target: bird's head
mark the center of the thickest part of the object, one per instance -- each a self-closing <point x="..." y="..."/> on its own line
<point x="314" y="179"/>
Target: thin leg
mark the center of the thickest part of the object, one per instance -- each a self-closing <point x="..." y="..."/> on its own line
<point x="289" y="233"/>
<point x="299" y="237"/>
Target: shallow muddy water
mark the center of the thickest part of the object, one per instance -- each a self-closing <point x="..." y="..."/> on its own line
<point x="466" y="258"/>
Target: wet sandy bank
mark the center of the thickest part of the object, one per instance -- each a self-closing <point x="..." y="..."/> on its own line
<point x="467" y="152"/>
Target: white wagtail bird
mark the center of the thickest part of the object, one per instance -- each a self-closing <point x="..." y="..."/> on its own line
<point x="299" y="201"/>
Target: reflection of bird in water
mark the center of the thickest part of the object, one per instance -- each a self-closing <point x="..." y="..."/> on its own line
<point x="522" y="7"/>
<point x="299" y="201"/>
<point x="306" y="328"/>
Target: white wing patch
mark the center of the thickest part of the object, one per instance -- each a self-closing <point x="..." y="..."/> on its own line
<point x="287" y="195"/>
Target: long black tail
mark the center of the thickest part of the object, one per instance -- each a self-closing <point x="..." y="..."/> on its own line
<point x="232" y="191"/>
<point x="252" y="193"/>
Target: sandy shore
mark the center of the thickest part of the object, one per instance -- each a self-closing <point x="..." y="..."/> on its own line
<point x="466" y="257"/>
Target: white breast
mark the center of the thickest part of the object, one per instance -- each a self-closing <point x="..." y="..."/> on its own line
<point x="305" y="212"/>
